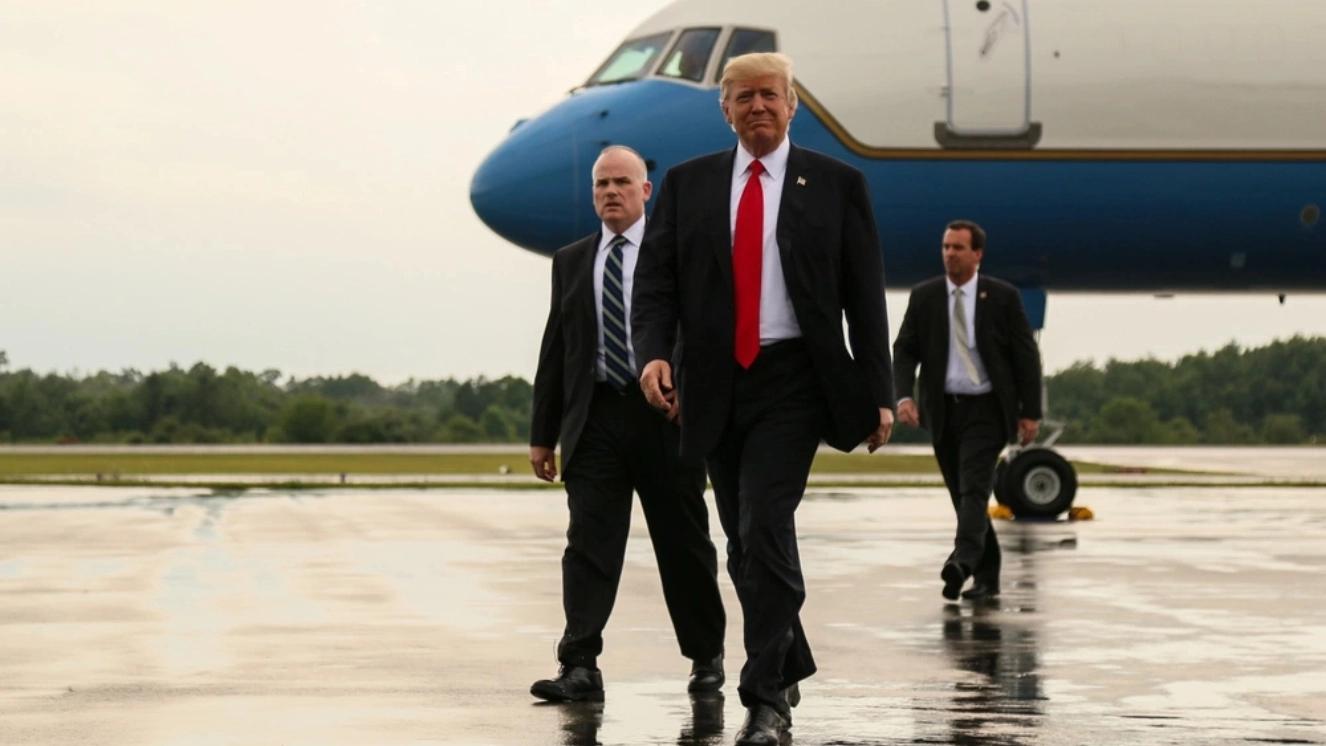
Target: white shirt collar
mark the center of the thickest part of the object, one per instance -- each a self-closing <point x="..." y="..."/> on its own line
<point x="966" y="286"/>
<point x="635" y="234"/>
<point x="774" y="163"/>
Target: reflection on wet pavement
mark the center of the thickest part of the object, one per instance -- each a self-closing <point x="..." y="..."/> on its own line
<point x="175" y="617"/>
<point x="706" y="724"/>
<point x="1003" y="701"/>
<point x="581" y="721"/>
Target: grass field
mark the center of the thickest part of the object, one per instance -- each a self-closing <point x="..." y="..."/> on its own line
<point x="18" y="465"/>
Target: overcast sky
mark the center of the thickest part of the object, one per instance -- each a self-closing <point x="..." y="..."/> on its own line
<point x="285" y="185"/>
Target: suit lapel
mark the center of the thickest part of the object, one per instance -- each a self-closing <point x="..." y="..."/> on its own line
<point x="718" y="222"/>
<point x="982" y="323"/>
<point x="941" y="312"/>
<point x="792" y="208"/>
<point x="585" y="302"/>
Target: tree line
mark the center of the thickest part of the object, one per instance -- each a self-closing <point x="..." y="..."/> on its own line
<point x="203" y="405"/>
<point x="1273" y="394"/>
<point x="1266" y="395"/>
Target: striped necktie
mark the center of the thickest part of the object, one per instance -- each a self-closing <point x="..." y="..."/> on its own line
<point x="615" y="356"/>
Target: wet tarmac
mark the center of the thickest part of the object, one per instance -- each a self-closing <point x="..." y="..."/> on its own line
<point x="155" y="616"/>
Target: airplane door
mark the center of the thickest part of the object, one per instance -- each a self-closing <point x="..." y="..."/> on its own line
<point x="989" y="75"/>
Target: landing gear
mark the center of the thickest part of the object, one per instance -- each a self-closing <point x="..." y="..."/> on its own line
<point x="1035" y="482"/>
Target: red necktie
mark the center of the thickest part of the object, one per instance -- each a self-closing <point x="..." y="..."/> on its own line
<point x="747" y="266"/>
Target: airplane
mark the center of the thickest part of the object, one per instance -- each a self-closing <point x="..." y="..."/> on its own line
<point x="1133" y="146"/>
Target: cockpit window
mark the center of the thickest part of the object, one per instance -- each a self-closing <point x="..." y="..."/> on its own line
<point x="690" y="54"/>
<point x="632" y="60"/>
<point x="745" y="41"/>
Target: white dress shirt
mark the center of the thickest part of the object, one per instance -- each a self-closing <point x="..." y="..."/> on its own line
<point x="630" y="253"/>
<point x="956" y="379"/>
<point x="778" y="320"/>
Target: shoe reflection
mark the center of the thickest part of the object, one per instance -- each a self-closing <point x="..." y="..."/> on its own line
<point x="706" y="725"/>
<point x="994" y="645"/>
<point x="580" y="722"/>
<point x="1009" y="697"/>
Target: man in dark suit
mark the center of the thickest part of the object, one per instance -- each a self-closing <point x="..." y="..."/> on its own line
<point x="755" y="254"/>
<point x="586" y="396"/>
<point x="980" y="389"/>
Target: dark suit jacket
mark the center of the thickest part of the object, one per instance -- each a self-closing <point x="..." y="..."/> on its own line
<point x="564" y="382"/>
<point x="1003" y="339"/>
<point x="831" y="262"/>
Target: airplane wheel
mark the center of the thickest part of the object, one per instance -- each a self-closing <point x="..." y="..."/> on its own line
<point x="1039" y="483"/>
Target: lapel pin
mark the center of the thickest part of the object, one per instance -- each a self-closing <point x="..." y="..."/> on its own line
<point x="801" y="181"/>
<point x="983" y="295"/>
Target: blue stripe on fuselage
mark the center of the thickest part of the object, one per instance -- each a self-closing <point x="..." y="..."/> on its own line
<point x="1066" y="225"/>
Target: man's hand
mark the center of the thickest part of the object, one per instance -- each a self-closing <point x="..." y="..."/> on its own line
<point x="1027" y="430"/>
<point x="544" y="461"/>
<point x="656" y="382"/>
<point x="882" y="433"/>
<point x="907" y="413"/>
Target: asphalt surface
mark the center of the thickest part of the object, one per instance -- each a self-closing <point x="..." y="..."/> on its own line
<point x="147" y="617"/>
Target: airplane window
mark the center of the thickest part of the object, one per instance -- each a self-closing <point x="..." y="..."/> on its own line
<point x="632" y="60"/>
<point x="745" y="41"/>
<point x="690" y="54"/>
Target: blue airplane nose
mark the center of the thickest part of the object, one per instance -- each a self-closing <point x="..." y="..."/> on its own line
<point x="530" y="190"/>
<point x="535" y="190"/>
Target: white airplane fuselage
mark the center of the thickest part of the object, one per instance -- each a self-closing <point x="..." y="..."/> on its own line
<point x="1132" y="146"/>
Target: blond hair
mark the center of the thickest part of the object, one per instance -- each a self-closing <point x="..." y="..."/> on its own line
<point x="758" y="65"/>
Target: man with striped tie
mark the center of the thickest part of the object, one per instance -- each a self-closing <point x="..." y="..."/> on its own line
<point x="613" y="442"/>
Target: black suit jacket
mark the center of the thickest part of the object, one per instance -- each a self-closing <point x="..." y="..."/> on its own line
<point x="831" y="263"/>
<point x="564" y="382"/>
<point x="1003" y="338"/>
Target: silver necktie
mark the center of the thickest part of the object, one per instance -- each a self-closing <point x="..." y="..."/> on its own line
<point x="960" y="334"/>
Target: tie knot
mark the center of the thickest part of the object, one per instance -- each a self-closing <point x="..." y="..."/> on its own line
<point x="756" y="168"/>
<point x="957" y="292"/>
<point x="617" y="242"/>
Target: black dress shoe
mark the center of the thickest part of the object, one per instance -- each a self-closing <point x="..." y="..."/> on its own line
<point x="764" y="727"/>
<point x="573" y="684"/>
<point x="981" y="591"/>
<point x="953" y="575"/>
<point x="706" y="676"/>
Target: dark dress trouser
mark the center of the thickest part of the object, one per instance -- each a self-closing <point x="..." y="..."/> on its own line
<point x="627" y="445"/>
<point x="967" y="450"/>
<point x="759" y="471"/>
